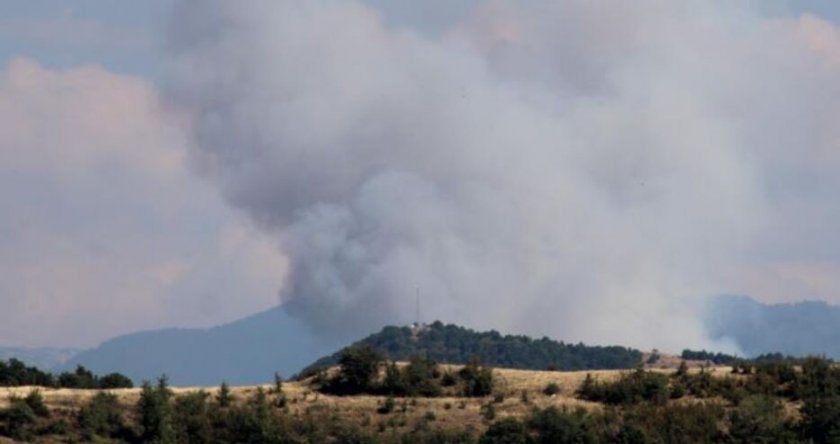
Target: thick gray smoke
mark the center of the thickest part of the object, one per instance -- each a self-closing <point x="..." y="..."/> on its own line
<point x="585" y="170"/>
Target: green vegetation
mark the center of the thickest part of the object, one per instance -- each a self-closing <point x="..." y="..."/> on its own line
<point x="630" y="388"/>
<point x="224" y="397"/>
<point x="360" y="371"/>
<point x="102" y="417"/>
<point x="452" y="344"/>
<point x="551" y="389"/>
<point x="154" y="413"/>
<point x="703" y="355"/>
<point x="15" y="373"/>
<point x="765" y="401"/>
<point x="752" y="405"/>
<point x="724" y="359"/>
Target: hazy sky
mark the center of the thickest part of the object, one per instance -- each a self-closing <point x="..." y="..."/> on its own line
<point x="586" y="170"/>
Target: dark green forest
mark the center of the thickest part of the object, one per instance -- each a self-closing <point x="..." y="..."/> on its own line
<point x="452" y="344"/>
<point x="16" y="373"/>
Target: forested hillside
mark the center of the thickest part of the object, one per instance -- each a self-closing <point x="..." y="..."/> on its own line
<point x="453" y="344"/>
<point x="798" y="329"/>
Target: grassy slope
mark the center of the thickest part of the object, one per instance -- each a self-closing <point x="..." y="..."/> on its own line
<point x="449" y="412"/>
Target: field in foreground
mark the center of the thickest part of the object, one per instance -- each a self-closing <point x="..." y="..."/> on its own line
<point x="516" y="393"/>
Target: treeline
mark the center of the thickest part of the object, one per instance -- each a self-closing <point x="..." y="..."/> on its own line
<point x="725" y="359"/>
<point x="452" y="344"/>
<point x="703" y="355"/>
<point x="15" y="373"/>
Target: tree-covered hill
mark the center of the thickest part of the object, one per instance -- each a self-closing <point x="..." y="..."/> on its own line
<point x="797" y="329"/>
<point x="457" y="345"/>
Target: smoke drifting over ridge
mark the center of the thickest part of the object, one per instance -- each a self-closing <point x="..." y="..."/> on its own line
<point x="586" y="170"/>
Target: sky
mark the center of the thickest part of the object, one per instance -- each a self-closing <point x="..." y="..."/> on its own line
<point x="584" y="170"/>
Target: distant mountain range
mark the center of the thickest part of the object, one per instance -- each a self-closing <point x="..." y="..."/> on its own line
<point x="797" y="329"/>
<point x="247" y="351"/>
<point x="250" y="350"/>
<point x="41" y="357"/>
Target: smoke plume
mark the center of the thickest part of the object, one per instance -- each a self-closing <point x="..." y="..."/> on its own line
<point x="584" y="170"/>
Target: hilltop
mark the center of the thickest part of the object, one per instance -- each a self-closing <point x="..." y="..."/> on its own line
<point x="457" y="345"/>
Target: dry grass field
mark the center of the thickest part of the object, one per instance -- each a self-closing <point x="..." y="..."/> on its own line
<point x="517" y="392"/>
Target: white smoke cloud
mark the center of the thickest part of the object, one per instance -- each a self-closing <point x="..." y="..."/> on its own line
<point x="586" y="170"/>
<point x="105" y="230"/>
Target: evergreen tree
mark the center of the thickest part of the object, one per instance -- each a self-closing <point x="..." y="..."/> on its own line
<point x="224" y="397"/>
<point x="155" y="414"/>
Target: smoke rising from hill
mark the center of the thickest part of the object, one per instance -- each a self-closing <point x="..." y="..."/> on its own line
<point x="585" y="170"/>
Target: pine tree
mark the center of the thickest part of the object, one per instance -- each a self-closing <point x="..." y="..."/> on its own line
<point x="155" y="413"/>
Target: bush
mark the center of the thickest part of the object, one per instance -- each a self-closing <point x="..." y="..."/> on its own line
<point x="759" y="418"/>
<point x="387" y="406"/>
<point x="419" y="377"/>
<point x="552" y="425"/>
<point x="448" y="379"/>
<point x="551" y="389"/>
<point x="630" y="388"/>
<point x="279" y="396"/>
<point x="36" y="402"/>
<point x="505" y="431"/>
<point x="115" y="381"/>
<point x="359" y="369"/>
<point x="488" y="411"/>
<point x="16" y="419"/>
<point x="101" y="416"/>
<point x="224" y="397"/>
<point x="190" y="419"/>
<point x="478" y="379"/>
<point x="821" y="419"/>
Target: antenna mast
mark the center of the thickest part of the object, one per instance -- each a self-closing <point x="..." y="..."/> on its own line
<point x="418" y="307"/>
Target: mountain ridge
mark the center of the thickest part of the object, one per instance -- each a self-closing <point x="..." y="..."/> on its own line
<point x="245" y="351"/>
<point x="452" y="344"/>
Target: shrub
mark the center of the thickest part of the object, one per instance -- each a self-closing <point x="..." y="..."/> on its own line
<point x="359" y="369"/>
<point x="821" y="419"/>
<point x="448" y="379"/>
<point x="154" y="413"/>
<point x="279" y="396"/>
<point x="551" y="389"/>
<point x="101" y="416"/>
<point x="190" y="419"/>
<point x="224" y="397"/>
<point x="419" y="377"/>
<point x="16" y="419"/>
<point x="759" y="418"/>
<point x="115" y="381"/>
<point x="387" y="406"/>
<point x="478" y="379"/>
<point x="505" y="431"/>
<point x="36" y="402"/>
<point x="552" y="425"/>
<point x="630" y="388"/>
<point x="488" y="411"/>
